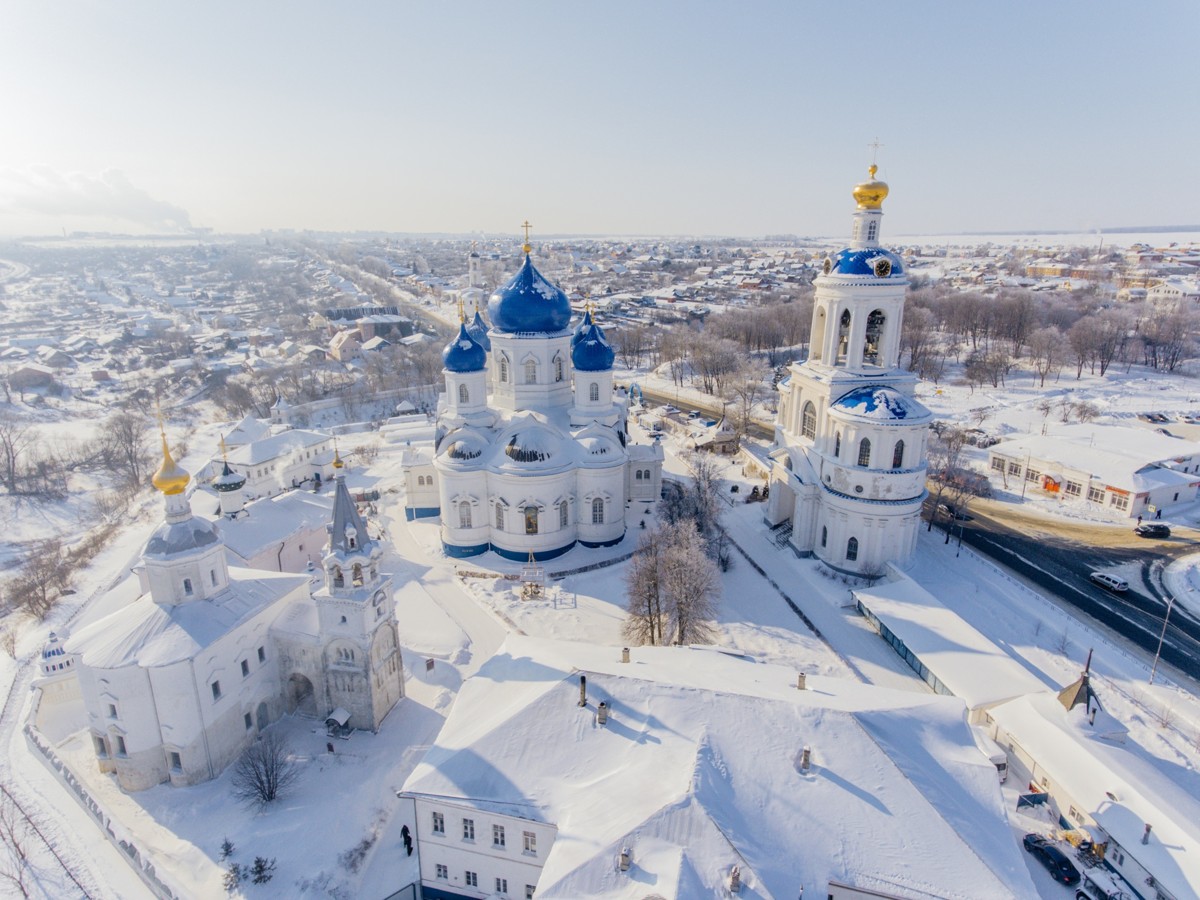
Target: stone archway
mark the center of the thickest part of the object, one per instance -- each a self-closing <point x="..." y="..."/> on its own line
<point x="300" y="696"/>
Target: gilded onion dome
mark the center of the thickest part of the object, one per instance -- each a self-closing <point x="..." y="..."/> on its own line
<point x="870" y="194"/>
<point x="171" y="478"/>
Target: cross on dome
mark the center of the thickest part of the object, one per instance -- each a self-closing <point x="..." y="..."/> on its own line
<point x="526" y="246"/>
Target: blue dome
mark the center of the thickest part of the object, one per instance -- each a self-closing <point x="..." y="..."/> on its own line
<point x="583" y="326"/>
<point x="529" y="303"/>
<point x="464" y="353"/>
<point x="879" y="403"/>
<point x="478" y="330"/>
<point x="592" y="352"/>
<point x="862" y="262"/>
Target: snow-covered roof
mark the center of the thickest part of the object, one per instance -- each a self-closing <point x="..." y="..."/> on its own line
<point x="879" y="404"/>
<point x="967" y="663"/>
<point x="269" y="448"/>
<point x="1114" y="454"/>
<point x="148" y="634"/>
<point x="698" y="769"/>
<point x="267" y="522"/>
<point x="1119" y="786"/>
<point x="244" y="432"/>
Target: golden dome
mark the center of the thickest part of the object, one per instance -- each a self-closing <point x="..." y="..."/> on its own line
<point x="870" y="194"/>
<point x="337" y="459"/>
<point x="170" y="477"/>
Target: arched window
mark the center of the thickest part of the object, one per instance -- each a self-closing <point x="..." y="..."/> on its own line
<point x="562" y="514"/>
<point x="464" y="514"/>
<point x="843" y="336"/>
<point x="638" y="476"/>
<point x="339" y="580"/>
<point x="530" y="371"/>
<point x="874" y="333"/>
<point x="864" y="452"/>
<point x="463" y="396"/>
<point x="503" y="368"/>
<point x="898" y="455"/>
<point x="646" y="472"/>
<point x="499" y="516"/>
<point x="598" y="511"/>
<point x="531" y="520"/>
<point x="594" y="392"/>
<point x="837" y="444"/>
<point x="808" y="420"/>
<point x="356" y="577"/>
<point x="824" y="536"/>
<point x="187" y="586"/>
<point x="852" y="549"/>
<point x="558" y="368"/>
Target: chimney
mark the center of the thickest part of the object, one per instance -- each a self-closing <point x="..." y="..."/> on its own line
<point x="1092" y="716"/>
<point x="623" y="860"/>
<point x="624" y="654"/>
<point x="800" y="679"/>
<point x="602" y="713"/>
<point x="735" y="880"/>
<point x="805" y="758"/>
<point x="583" y="690"/>
<point x="1146" y="834"/>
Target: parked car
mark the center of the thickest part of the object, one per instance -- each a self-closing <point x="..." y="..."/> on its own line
<point x="1153" y="530"/>
<point x="1052" y="858"/>
<point x="1109" y="582"/>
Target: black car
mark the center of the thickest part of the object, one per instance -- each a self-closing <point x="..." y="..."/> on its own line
<point x="1153" y="530"/>
<point x="1052" y="858"/>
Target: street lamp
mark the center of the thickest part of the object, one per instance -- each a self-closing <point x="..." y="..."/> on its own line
<point x="1161" y="637"/>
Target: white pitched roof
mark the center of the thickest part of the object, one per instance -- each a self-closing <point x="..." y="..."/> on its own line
<point x="697" y="770"/>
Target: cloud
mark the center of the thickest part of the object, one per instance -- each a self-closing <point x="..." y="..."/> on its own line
<point x="43" y="191"/>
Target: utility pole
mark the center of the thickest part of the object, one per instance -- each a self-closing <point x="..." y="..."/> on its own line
<point x="1161" y="638"/>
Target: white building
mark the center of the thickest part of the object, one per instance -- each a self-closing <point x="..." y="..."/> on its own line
<point x="280" y="462"/>
<point x="685" y="763"/>
<point x="547" y="463"/>
<point x="849" y="472"/>
<point x="178" y="682"/>
<point x="1127" y="470"/>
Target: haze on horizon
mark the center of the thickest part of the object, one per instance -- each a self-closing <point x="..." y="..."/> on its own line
<point x="618" y="118"/>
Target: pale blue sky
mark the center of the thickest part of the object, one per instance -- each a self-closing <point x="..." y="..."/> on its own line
<point x="614" y="117"/>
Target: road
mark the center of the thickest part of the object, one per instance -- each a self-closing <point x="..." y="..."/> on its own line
<point x="758" y="428"/>
<point x="1057" y="555"/>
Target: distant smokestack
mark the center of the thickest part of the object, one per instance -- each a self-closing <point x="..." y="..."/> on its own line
<point x="624" y="654"/>
<point x="602" y="713"/>
<point x="805" y="758"/>
<point x="800" y="680"/>
<point x="1146" y="834"/>
<point x="623" y="860"/>
<point x="735" y="880"/>
<point x="583" y="690"/>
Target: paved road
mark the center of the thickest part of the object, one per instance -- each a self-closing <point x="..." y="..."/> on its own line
<point x="1058" y="556"/>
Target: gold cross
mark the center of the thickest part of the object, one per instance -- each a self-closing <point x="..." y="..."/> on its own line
<point x="874" y="148"/>
<point x="526" y="226"/>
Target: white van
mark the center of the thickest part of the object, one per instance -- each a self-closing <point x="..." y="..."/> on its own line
<point x="1109" y="582"/>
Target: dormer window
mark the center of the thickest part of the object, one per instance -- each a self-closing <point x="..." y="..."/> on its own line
<point x="351" y="537"/>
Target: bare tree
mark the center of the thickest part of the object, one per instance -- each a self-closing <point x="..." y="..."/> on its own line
<point x="126" y="450"/>
<point x="42" y="578"/>
<point x="16" y="438"/>
<point x="16" y="869"/>
<point x="945" y="450"/>
<point x="1046" y="352"/>
<point x="672" y="587"/>
<point x="264" y="770"/>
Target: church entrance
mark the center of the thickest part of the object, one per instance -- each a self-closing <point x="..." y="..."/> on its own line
<point x="301" y="697"/>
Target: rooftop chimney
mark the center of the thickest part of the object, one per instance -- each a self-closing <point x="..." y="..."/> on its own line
<point x="623" y="860"/>
<point x="1146" y="834"/>
<point x="602" y="713"/>
<point x="583" y="690"/>
<point x="735" y="880"/>
<point x="624" y="654"/>
<point x="805" y="758"/>
<point x="800" y="679"/>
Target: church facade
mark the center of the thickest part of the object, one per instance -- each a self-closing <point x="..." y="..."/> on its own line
<point x="849" y="463"/>
<point x="544" y="461"/>
<point x="177" y="683"/>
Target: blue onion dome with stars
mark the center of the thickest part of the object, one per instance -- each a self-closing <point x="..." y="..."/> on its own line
<point x="478" y="330"/>
<point x="592" y="353"/>
<point x="873" y="261"/>
<point x="583" y="326"/>
<point x="529" y="303"/>
<point x="464" y="353"/>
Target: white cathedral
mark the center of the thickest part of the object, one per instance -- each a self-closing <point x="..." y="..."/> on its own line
<point x="548" y="463"/>
<point x="178" y="682"/>
<point x="848" y="473"/>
